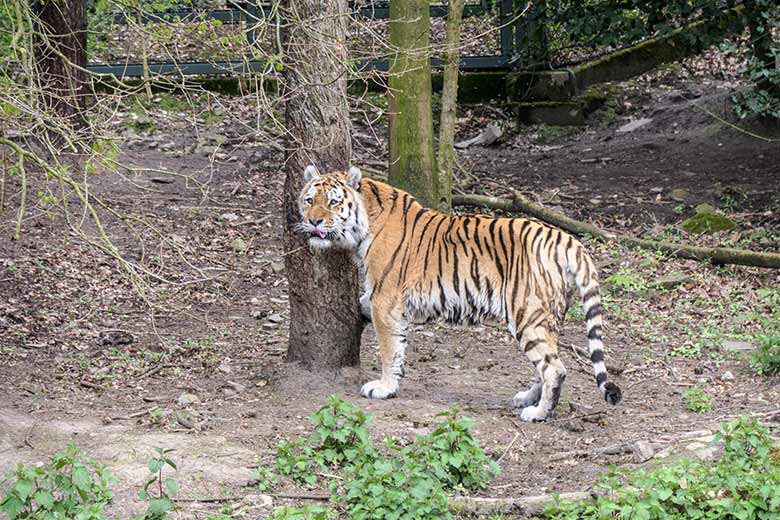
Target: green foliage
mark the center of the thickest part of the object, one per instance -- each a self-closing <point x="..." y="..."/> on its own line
<point x="763" y="19"/>
<point x="341" y="433"/>
<point x="453" y="455"/>
<point x="160" y="502"/>
<point x="626" y="280"/>
<point x="380" y="489"/>
<point x="401" y="481"/>
<point x="306" y="513"/>
<point x="766" y="360"/>
<point x="70" y="486"/>
<point x="698" y="400"/>
<point x="741" y="485"/>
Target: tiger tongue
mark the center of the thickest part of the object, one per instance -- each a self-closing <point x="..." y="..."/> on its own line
<point x="319" y="233"/>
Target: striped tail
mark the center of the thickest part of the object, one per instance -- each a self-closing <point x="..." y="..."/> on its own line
<point x="587" y="283"/>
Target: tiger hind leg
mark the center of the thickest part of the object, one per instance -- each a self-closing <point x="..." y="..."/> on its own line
<point x="539" y="344"/>
<point x="528" y="397"/>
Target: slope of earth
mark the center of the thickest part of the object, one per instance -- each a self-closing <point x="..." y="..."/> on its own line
<point x="199" y="365"/>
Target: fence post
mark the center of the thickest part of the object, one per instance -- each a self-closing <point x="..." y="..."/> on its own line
<point x="505" y="17"/>
<point x="531" y="37"/>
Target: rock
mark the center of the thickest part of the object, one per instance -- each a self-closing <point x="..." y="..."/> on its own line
<point x="705" y="208"/>
<point x="205" y="150"/>
<point x="643" y="451"/>
<point x="229" y="217"/>
<point x="738" y="346"/>
<point x="258" y="501"/>
<point x="679" y="194"/>
<point x="225" y="367"/>
<point x="238" y="245"/>
<point x="277" y="267"/>
<point x="727" y="376"/>
<point x="237" y="387"/>
<point x="705" y="222"/>
<point x="671" y="280"/>
<point x="216" y="139"/>
<point x="275" y="318"/>
<point x="634" y="125"/>
<point x="488" y="136"/>
<point x="186" y="420"/>
<point x="258" y="314"/>
<point x="186" y="399"/>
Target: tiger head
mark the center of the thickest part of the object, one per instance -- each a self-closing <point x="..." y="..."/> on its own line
<point x="332" y="213"/>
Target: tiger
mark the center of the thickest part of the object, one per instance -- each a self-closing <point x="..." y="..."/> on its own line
<point x="419" y="265"/>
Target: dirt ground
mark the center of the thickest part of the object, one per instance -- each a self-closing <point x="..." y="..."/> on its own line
<point x="85" y="360"/>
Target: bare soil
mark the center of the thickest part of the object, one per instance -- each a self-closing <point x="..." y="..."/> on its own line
<point x="84" y="358"/>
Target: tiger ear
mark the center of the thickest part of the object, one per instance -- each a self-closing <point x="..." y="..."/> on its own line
<point x="310" y="173"/>
<point x="353" y="177"/>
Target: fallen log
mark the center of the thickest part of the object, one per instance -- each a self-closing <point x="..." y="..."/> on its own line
<point x="524" y="506"/>
<point x="716" y="255"/>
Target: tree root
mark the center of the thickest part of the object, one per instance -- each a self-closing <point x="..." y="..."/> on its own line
<point x="716" y="255"/>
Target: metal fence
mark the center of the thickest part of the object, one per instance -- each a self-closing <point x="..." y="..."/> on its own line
<point x="512" y="34"/>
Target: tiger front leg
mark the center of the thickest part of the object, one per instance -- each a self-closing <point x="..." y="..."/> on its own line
<point x="391" y="331"/>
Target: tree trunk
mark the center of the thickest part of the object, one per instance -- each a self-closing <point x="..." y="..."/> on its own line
<point x="412" y="159"/>
<point x="60" y="49"/>
<point x="325" y="323"/>
<point x="449" y="104"/>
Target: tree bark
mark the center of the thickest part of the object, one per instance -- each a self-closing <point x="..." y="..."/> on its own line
<point x="412" y="162"/>
<point x="61" y="57"/>
<point x="716" y="255"/>
<point x="325" y="323"/>
<point x="449" y="103"/>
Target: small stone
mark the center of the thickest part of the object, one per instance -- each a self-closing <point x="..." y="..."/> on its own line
<point x="237" y="387"/>
<point x="656" y="190"/>
<point x="205" y="150"/>
<point x="275" y="318"/>
<point x="589" y="160"/>
<point x="738" y="346"/>
<point x="217" y="139"/>
<point x="238" y="245"/>
<point x="258" y="501"/>
<point x="277" y="267"/>
<point x="634" y="125"/>
<point x="186" y="399"/>
<point x="269" y="325"/>
<point x="727" y="376"/>
<point x="705" y="208"/>
<point x="671" y="280"/>
<point x="229" y="217"/>
<point x="679" y="194"/>
<point x="225" y="367"/>
<point x="258" y="314"/>
<point x="185" y="420"/>
<point x="643" y="451"/>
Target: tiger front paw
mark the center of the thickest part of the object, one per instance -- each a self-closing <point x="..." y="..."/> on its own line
<point x="379" y="389"/>
<point x="533" y="414"/>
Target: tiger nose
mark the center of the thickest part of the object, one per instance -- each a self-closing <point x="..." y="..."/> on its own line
<point x="315" y="222"/>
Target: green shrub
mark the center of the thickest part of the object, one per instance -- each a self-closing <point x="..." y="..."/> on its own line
<point x="453" y="455"/>
<point x="742" y="485"/>
<point x="766" y="360"/>
<point x="70" y="486"/>
<point x="698" y="400"/>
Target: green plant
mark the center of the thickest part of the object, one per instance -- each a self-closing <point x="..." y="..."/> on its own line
<point x="381" y="489"/>
<point x="766" y="360"/>
<point x="265" y="478"/>
<point x="401" y="481"/>
<point x="741" y="485"/>
<point x="161" y="503"/>
<point x="341" y="433"/>
<point x="71" y="485"/>
<point x="698" y="400"/>
<point x="306" y="513"/>
<point x="453" y="455"/>
<point x="627" y="280"/>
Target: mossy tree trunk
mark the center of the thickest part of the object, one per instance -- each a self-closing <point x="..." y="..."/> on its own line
<point x="412" y="161"/>
<point x="449" y="103"/>
<point x="60" y="43"/>
<point x="325" y="323"/>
